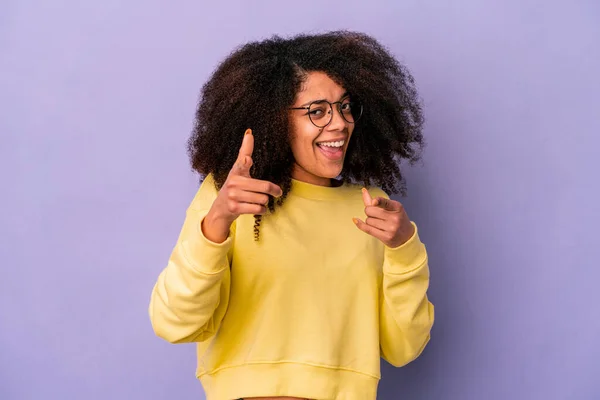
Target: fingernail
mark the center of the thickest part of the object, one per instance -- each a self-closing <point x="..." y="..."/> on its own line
<point x="355" y="220"/>
<point x="248" y="131"/>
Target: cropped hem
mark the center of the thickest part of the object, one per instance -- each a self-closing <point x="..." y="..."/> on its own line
<point x="288" y="379"/>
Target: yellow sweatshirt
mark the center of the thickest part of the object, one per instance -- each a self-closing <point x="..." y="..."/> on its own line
<point x="307" y="311"/>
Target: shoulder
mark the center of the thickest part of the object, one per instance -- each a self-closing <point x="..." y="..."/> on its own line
<point x="355" y="190"/>
<point x="205" y="194"/>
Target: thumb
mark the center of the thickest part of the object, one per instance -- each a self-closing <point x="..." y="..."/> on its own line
<point x="367" y="199"/>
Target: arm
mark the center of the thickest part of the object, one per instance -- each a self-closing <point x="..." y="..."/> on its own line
<point x="406" y="315"/>
<point x="191" y="295"/>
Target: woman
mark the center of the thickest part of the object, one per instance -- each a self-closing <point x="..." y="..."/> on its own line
<point x="287" y="293"/>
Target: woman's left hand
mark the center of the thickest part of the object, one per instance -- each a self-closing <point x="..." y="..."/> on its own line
<point x="386" y="220"/>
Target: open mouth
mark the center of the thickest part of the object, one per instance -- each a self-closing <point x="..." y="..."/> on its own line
<point x="332" y="150"/>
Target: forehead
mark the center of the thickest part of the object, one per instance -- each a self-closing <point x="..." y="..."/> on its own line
<point x="318" y="85"/>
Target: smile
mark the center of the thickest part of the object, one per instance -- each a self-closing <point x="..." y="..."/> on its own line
<point x="332" y="150"/>
<point x="339" y="143"/>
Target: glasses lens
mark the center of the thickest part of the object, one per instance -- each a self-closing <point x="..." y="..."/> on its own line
<point x="320" y="114"/>
<point x="351" y="111"/>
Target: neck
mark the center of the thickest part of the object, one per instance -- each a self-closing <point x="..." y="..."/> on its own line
<point x="300" y="174"/>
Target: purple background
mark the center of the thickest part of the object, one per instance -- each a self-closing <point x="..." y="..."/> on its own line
<point x="97" y="101"/>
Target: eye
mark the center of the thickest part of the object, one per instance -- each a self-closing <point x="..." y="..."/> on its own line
<point x="318" y="110"/>
<point x="347" y="106"/>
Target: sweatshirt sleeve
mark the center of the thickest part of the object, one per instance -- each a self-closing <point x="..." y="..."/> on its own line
<point x="406" y="315"/>
<point x="191" y="295"/>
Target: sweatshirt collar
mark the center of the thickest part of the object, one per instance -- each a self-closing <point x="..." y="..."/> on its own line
<point x="311" y="191"/>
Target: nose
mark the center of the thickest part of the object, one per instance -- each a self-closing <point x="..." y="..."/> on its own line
<point x="338" y="122"/>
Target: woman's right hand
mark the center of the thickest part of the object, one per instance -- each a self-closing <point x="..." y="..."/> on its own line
<point x="240" y="194"/>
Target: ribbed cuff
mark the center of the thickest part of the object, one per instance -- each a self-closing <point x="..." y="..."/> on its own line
<point x="407" y="256"/>
<point x="205" y="255"/>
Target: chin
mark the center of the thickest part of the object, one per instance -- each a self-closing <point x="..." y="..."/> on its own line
<point x="331" y="174"/>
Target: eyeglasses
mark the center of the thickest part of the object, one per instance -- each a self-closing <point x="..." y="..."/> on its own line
<point x="320" y="112"/>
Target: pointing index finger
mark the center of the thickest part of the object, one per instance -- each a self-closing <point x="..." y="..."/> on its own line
<point x="244" y="161"/>
<point x="387" y="204"/>
<point x="247" y="144"/>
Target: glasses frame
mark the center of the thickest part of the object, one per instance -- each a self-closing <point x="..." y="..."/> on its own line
<point x="331" y="107"/>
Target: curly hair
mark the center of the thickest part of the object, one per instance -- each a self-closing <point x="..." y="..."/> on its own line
<point x="254" y="86"/>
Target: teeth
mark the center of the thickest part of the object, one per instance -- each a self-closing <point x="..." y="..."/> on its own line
<point x="332" y="144"/>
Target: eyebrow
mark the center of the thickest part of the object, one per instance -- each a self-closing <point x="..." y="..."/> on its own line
<point x="346" y="94"/>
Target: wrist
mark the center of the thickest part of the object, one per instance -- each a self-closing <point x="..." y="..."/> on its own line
<point x="215" y="226"/>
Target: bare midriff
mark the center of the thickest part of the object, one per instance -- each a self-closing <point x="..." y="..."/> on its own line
<point x="275" y="398"/>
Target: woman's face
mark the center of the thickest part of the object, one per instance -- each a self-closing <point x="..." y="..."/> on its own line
<point x="319" y="152"/>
